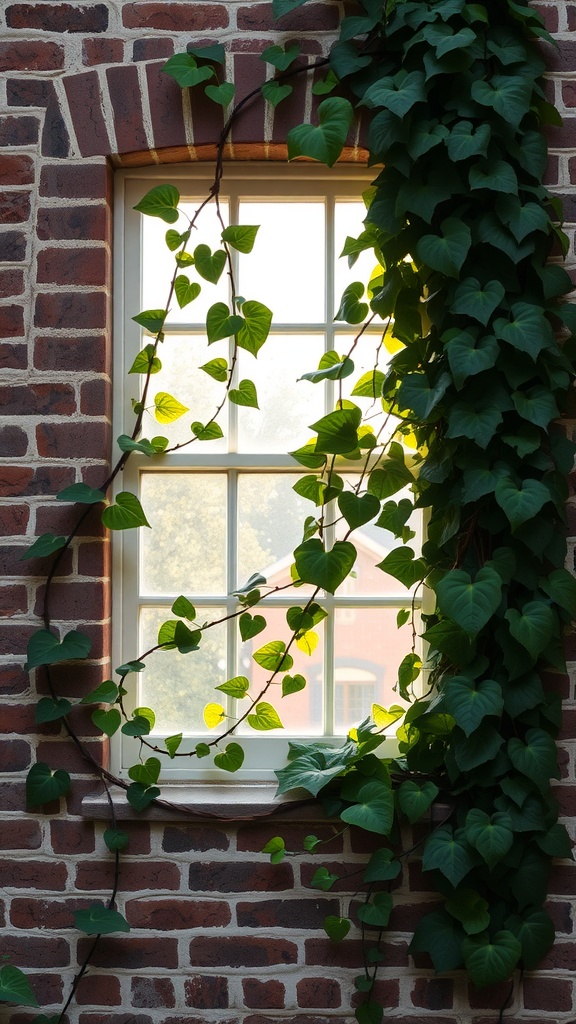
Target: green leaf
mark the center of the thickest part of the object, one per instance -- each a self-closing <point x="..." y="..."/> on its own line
<point x="398" y="94"/>
<point x="221" y="323"/>
<point x="465" y="141"/>
<point x="325" y="85"/>
<point x="529" y="330"/>
<point x="476" y="300"/>
<point x="256" y="326"/>
<point x="116" y="839"/>
<point x="311" y="771"/>
<point x="325" y="141"/>
<point x="251" y="626"/>
<point x="44" y="648"/>
<point x="202" y="749"/>
<point x="210" y="432"/>
<point x="146" y="773"/>
<point x="560" y="586"/>
<point x="326" y="569"/>
<point x="281" y="58"/>
<point x="272" y="656"/>
<point x="520" y="504"/>
<point x="470" y="604"/>
<point x="358" y="509"/>
<point x="44" y="785"/>
<point x="468" y="357"/>
<point x="415" y="798"/>
<point x="216" y="368"/>
<point x="416" y="393"/>
<point x="446" y="252"/>
<point x="478" y="748"/>
<point x="107" y="693"/>
<point x="175" y="635"/>
<point x="146" y="361"/>
<point x="265" y="718"/>
<point x="152" y="320"/>
<point x="374" y="809"/>
<point x="537" y="758"/>
<point x="331" y="367"/>
<point x="323" y="879"/>
<point x="167" y="408"/>
<point x="44" y="546"/>
<point x="382" y="866"/>
<point x="369" y="385"/>
<point x="50" y="710"/>
<point x="449" y="853"/>
<point x="535" y="932"/>
<point x="441" y="936"/>
<point x="470" y="703"/>
<point x="140" y="797"/>
<point x="338" y="431"/>
<point x="491" y="961"/>
<point x="390" y="478"/>
<point x="276" y="848"/>
<point x="15" y="987"/>
<point x="184" y="608"/>
<point x="174" y="239"/>
<point x="494" y="175"/>
<point x="183" y="68"/>
<point x="154" y="447"/>
<point x="274" y="92"/>
<point x="172" y="743"/>
<point x="214" y="52"/>
<point x="293" y="684"/>
<point x="492" y="835"/>
<point x="231" y="758"/>
<point x="107" y="721"/>
<point x="533" y="627"/>
<point x="376" y="912"/>
<point x="241" y="236"/>
<point x="126" y="514"/>
<point x="161" y="201"/>
<point x="402" y="564"/>
<point x="478" y="422"/>
<point x="81" y="493"/>
<point x="222" y="94"/>
<point x="237" y="687"/>
<point x="209" y="264"/>
<point x="244" y="394"/>
<point x="536" y="405"/>
<point x="336" y="928"/>
<point x="468" y="907"/>
<point x="99" y="920"/>
<point x="185" y="291"/>
<point x="508" y="95"/>
<point x="351" y="310"/>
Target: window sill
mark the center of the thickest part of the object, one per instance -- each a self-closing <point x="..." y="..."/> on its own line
<point x="206" y="801"/>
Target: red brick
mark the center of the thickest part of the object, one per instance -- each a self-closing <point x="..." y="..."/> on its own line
<point x="29" y="951"/>
<point x="235" y="951"/>
<point x="73" y="266"/>
<point x="130" y="953"/>
<point x="85" y="103"/>
<point x="71" y="837"/>
<point x="151" y="49"/>
<point x="433" y="993"/>
<point x="288" y="913"/>
<point x="83" y="353"/>
<point x="15" y="755"/>
<point x="208" y="120"/>
<point x="55" y="518"/>
<point x="11" y="283"/>
<point x="14" y="641"/>
<point x="19" y="131"/>
<point x="31" y="913"/>
<point x="294" y="111"/>
<point x="76" y="181"/>
<point x="13" y="600"/>
<point x="11" y="321"/>
<point x="152" y="992"/>
<point x="13" y="679"/>
<point x="263" y="995"/>
<point x="70" y="309"/>
<point x="181" y="838"/>
<point x="174" y="17"/>
<point x="73" y="222"/>
<point x="165" y="99"/>
<point x="102" y="51"/>
<point x="14" y="519"/>
<point x="12" y="247"/>
<point x="14" y="207"/>
<point x="13" y="357"/>
<point x="98" y="989"/>
<point x="319" y="993"/>
<point x="16" y="170"/>
<point x="48" y="988"/>
<point x="311" y="18"/>
<point x="171" y="914"/>
<point x="30" y="55"/>
<point x="493" y="997"/>
<point x="551" y="994"/>
<point x="237" y="876"/>
<point x="249" y="72"/>
<point x="12" y="796"/>
<point x="22" y="834"/>
<point x="95" y="398"/>
<point x="550" y="14"/>
<point x="13" y="441"/>
<point x="126" y="98"/>
<point x="206" y="993"/>
<point x="134" y="876"/>
<point x="38" y="400"/>
<point x="58" y="17"/>
<point x="65" y="753"/>
<point x="76" y="601"/>
<point x="11" y="563"/>
<point x="323" y="953"/>
<point x="46" y="875"/>
<point x="72" y="440"/>
<point x="94" y="559"/>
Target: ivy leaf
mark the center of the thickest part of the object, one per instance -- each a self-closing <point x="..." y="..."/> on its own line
<point x="167" y="408"/>
<point x="323" y="879"/>
<point x="522" y="219"/>
<point x="358" y="509"/>
<point x="369" y="385"/>
<point x="529" y="331"/>
<point x="82" y="494"/>
<point x="389" y="479"/>
<point x="376" y="912"/>
<point x="276" y="847"/>
<point x="272" y="656"/>
<point x="209" y="264"/>
<point x="221" y="323"/>
<point x="325" y="141"/>
<point x="116" y="839"/>
<point x="480" y="747"/>
<point x="494" y="175"/>
<point x="520" y="504"/>
<point x="15" y="987"/>
<point x="216" y="368"/>
<point x="152" y="320"/>
<point x="293" y="684"/>
<point x="338" y="431"/>
<point x="382" y="866"/>
<point x="146" y="773"/>
<point x="402" y="564"/>
<point x="275" y="92"/>
<point x="126" y="514"/>
<point x="465" y="141"/>
<point x="244" y="394"/>
<point x="237" y="687"/>
<point x="279" y="57"/>
<point x="491" y="961"/>
<point x="351" y="310"/>
<point x="373" y="810"/>
<point x="44" y="546"/>
<point x="241" y="236"/>
<point x="161" y="201"/>
<point x="326" y="569"/>
<point x="183" y="68"/>
<point x="185" y="291"/>
<point x="446" y="252"/>
<point x="415" y="798"/>
<point x="107" y="693"/>
<point x="44" y="785"/>
<point x="470" y="703"/>
<point x="508" y="95"/>
<point x="175" y="635"/>
<point x="50" y="710"/>
<point x="416" y="393"/>
<point x="140" y="797"/>
<point x="537" y="758"/>
<point x="107" y="721"/>
<point x="256" y="326"/>
<point x="492" y="835"/>
<point x="213" y="715"/>
<point x="470" y="604"/>
<point x="265" y="718"/>
<point x="536" y="405"/>
<point x="336" y="928"/>
<point x="468" y="907"/>
<point x="44" y="648"/>
<point x="449" y="853"/>
<point x="398" y="94"/>
<point x="533" y="627"/>
<point x="476" y="300"/>
<point x="251" y="626"/>
<point x="535" y="932"/>
<point x="222" y="94"/>
<point x="441" y="937"/>
<point x="467" y="357"/>
<point x="560" y="586"/>
<point x="99" y="920"/>
<point x="231" y="758"/>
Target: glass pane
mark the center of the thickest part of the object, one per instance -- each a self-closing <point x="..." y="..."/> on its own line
<point x="367" y="652"/>
<point x="287" y="405"/>
<point x="187" y="513"/>
<point x="300" y="713"/>
<point x="285" y="270"/>
<point x="180" y="376"/>
<point x="178" y="686"/>
<point x="348" y="218"/>
<point x="270" y="520"/>
<point x="158" y="263"/>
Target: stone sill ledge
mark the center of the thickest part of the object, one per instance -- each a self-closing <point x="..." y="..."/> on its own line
<point x="207" y="802"/>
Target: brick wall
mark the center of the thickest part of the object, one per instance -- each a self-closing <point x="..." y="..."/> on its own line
<point x="218" y="934"/>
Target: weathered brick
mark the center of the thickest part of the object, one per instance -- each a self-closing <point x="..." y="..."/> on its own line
<point x="84" y="100"/>
<point x="48" y="988"/>
<point x="319" y="993"/>
<point x="13" y="679"/>
<point x="126" y="98"/>
<point x="62" y="310"/>
<point x="143" y="875"/>
<point x="13" y="357"/>
<point x="13" y="441"/>
<point x="238" y="876"/>
<point x="19" y="131"/>
<point x="76" y="181"/>
<point x="14" y="207"/>
<point x="263" y="995"/>
<point x="206" y="993"/>
<point x="33" y="951"/>
<point x="46" y="875"/>
<point x="11" y="321"/>
<point x="31" y="55"/>
<point x="433" y="993"/>
<point x="102" y="50"/>
<point x="181" y="838"/>
<point x="165" y="99"/>
<point x="73" y="266"/>
<point x="80" y="353"/>
<point x="72" y="837"/>
<point x="163" y="914"/>
<point x="99" y="990"/>
<point x="38" y="400"/>
<point x="550" y="994"/>
<point x="322" y="953"/>
<point x="21" y="834"/>
<point x="11" y="283"/>
<point x="96" y="397"/>
<point x="152" y="49"/>
<point x="58" y="17"/>
<point x="288" y="913"/>
<point x="12" y="247"/>
<point x="130" y="953"/>
<point x="32" y="913"/>
<point x="73" y="222"/>
<point x="175" y="17"/>
<point x="235" y="951"/>
<point x="17" y="480"/>
<point x="16" y="170"/>
<point x="311" y="18"/>
<point x="152" y="992"/>
<point x="72" y="440"/>
<point x="94" y="559"/>
<point x="13" y="600"/>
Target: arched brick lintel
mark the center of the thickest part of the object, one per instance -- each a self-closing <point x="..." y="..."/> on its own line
<point x="125" y="110"/>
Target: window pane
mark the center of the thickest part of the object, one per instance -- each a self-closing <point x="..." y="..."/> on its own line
<point x="270" y="518"/>
<point x="185" y="551"/>
<point x="178" y="686"/>
<point x="300" y="713"/>
<point x="348" y="218"/>
<point x="285" y="270"/>
<point x="158" y="263"/>
<point x="287" y="406"/>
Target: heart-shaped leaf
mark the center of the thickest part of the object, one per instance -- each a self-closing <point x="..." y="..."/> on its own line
<point x="326" y="569"/>
<point x="398" y="93"/>
<point x="161" y="201"/>
<point x="146" y="773"/>
<point x="213" y="714"/>
<point x="237" y="687"/>
<point x="351" y="310"/>
<point x="467" y="356"/>
<point x="15" y="987"/>
<point x="272" y="656"/>
<point x="99" y="920"/>
<point x="256" y="327"/>
<point x="44" y="785"/>
<point x="535" y="932"/>
<point x="185" y="290"/>
<point x="491" y="961"/>
<point x="376" y="912"/>
<point x="244" y="394"/>
<point x="448" y="852"/>
<point x="81" y="493"/>
<point x="230" y="759"/>
<point x="209" y="264"/>
<point x="446" y="252"/>
<point x="44" y="648"/>
<point x="382" y="866"/>
<point x="468" y="907"/>
<point x="476" y="300"/>
<point x="251" y="625"/>
<point x="274" y="92"/>
<point x="469" y="702"/>
<point x="222" y="94"/>
<point x="292" y="684"/>
<point x="470" y="604"/>
<point x="265" y="718"/>
<point x="533" y="627"/>
<point x="140" y="797"/>
<point x="537" y="757"/>
<point x="280" y="57"/>
<point x="336" y="928"/>
<point x="358" y="509"/>
<point x="167" y="408"/>
<point x="415" y="798"/>
<point x="492" y="835"/>
<point x="108" y="721"/>
<point x="325" y="141"/>
<point x="221" y="323"/>
<point x="49" y="710"/>
<point x="182" y="67"/>
<point x="126" y="514"/>
<point x="116" y="839"/>
<point x="241" y="236"/>
<point x="374" y="809"/>
<point x="521" y="504"/>
<point x="44" y="546"/>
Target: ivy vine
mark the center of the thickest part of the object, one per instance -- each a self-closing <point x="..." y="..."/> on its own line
<point x="461" y="229"/>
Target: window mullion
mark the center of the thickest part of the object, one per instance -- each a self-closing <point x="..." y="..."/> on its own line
<point x="232" y="559"/>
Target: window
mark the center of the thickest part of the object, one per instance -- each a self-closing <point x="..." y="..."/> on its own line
<point x="224" y="509"/>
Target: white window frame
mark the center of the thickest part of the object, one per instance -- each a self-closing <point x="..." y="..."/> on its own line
<point x="248" y="179"/>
